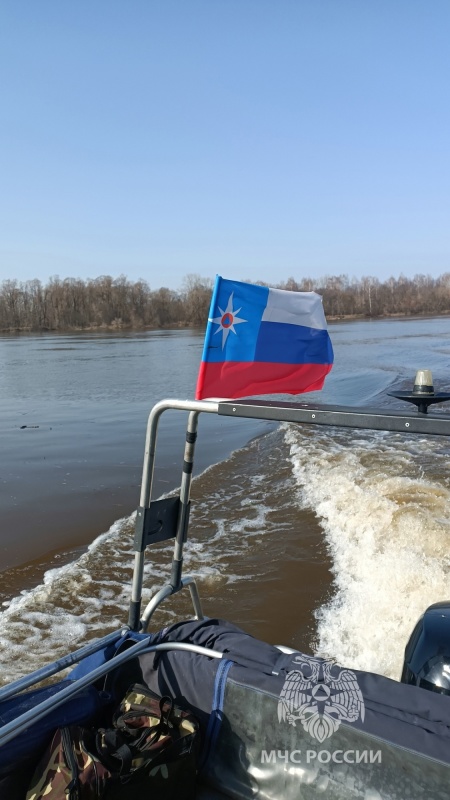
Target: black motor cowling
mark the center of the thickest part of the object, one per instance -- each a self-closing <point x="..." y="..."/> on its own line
<point x="427" y="654"/>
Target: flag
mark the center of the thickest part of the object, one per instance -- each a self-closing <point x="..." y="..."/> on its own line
<point x="263" y="341"/>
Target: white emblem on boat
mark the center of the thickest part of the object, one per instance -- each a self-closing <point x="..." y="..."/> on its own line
<point x="318" y="698"/>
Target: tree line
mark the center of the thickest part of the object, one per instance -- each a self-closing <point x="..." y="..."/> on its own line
<point x="105" y="302"/>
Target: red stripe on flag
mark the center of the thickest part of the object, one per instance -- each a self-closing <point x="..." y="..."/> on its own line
<point x="243" y="379"/>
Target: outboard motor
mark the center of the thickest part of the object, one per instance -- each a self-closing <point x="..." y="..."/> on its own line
<point x="427" y="654"/>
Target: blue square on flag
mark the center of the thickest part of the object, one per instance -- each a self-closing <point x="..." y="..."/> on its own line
<point x="263" y="341"/>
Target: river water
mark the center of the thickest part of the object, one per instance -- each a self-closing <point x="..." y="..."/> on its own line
<point x="330" y="541"/>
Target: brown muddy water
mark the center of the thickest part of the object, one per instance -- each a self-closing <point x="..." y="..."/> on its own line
<point x="329" y="541"/>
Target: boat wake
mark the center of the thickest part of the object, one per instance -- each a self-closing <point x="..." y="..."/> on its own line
<point x="384" y="504"/>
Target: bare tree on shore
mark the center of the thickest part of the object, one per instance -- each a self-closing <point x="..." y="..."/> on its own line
<point x="115" y="303"/>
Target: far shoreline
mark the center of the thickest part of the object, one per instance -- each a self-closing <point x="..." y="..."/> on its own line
<point x="125" y="328"/>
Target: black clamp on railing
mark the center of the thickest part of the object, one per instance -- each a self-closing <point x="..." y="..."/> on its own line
<point x="158" y="523"/>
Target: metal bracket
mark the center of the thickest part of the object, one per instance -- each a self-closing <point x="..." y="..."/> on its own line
<point x="157" y="523"/>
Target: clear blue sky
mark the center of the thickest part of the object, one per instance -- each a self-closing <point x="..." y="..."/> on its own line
<point x="254" y="138"/>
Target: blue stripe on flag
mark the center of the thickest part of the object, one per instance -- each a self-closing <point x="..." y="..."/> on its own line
<point x="281" y="343"/>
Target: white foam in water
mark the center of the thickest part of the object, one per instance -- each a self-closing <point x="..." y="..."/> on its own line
<point x="89" y="597"/>
<point x="388" y="536"/>
<point x="53" y="618"/>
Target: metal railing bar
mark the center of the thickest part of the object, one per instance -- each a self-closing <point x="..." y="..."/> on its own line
<point x="167" y="591"/>
<point x="146" y="487"/>
<point x="157" y="599"/>
<point x="57" y="666"/>
<point x="383" y="419"/>
<point x="195" y="597"/>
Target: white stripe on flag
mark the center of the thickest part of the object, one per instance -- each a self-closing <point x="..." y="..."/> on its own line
<point x="295" y="308"/>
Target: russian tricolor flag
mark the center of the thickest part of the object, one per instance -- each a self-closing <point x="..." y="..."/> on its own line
<point x="263" y="341"/>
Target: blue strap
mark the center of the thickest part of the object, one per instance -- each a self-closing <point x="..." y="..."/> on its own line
<point x="215" y="719"/>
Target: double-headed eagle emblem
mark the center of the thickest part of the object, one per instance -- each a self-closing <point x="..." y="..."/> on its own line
<point x="318" y="698"/>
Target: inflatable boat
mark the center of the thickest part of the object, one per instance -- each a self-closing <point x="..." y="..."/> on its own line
<point x="269" y="722"/>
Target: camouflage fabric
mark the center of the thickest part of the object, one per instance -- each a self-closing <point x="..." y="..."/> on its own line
<point x="69" y="770"/>
<point x="163" y="722"/>
<point x="150" y="751"/>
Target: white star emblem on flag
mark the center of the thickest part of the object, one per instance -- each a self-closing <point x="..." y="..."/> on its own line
<point x="227" y="320"/>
